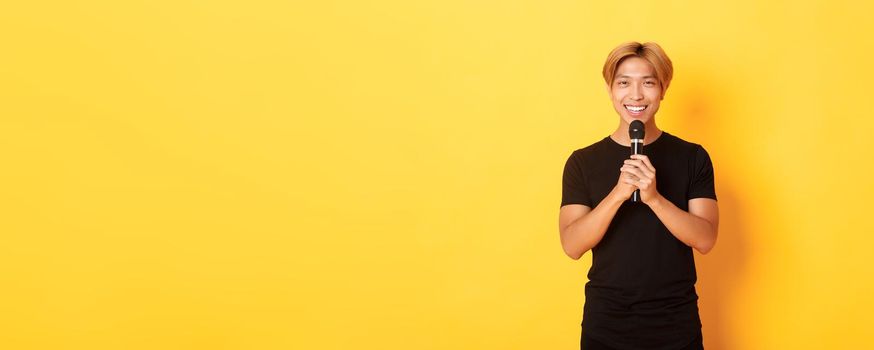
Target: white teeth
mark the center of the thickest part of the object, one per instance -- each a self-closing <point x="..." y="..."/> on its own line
<point x="634" y="108"/>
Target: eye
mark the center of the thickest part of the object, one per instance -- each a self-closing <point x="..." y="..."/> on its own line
<point x="622" y="83"/>
<point x="650" y="82"/>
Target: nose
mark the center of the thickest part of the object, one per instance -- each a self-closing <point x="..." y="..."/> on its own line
<point x="636" y="92"/>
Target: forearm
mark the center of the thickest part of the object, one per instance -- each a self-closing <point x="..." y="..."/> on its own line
<point x="584" y="233"/>
<point x="692" y="230"/>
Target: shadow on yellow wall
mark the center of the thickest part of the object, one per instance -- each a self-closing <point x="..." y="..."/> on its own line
<point x="720" y="271"/>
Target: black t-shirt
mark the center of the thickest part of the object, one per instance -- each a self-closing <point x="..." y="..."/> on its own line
<point x="641" y="290"/>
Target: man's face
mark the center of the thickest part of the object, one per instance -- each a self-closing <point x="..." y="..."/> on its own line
<point x="635" y="86"/>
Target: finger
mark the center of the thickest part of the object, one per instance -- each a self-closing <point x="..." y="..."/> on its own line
<point x="645" y="160"/>
<point x="640" y="165"/>
<point x="624" y="175"/>
<point x="640" y="184"/>
<point x="640" y="171"/>
<point x="631" y="170"/>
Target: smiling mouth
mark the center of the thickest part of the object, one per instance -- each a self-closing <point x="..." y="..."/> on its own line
<point x="635" y="109"/>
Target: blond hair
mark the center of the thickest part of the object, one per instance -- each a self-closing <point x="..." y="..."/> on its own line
<point x="649" y="51"/>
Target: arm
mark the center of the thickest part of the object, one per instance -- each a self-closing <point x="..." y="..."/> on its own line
<point x="697" y="228"/>
<point x="581" y="228"/>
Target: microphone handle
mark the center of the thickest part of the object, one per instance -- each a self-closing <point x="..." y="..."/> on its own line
<point x="636" y="148"/>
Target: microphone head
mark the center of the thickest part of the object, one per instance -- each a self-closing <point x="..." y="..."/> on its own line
<point x="636" y="130"/>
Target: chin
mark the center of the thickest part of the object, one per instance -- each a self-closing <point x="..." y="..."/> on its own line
<point x="644" y="118"/>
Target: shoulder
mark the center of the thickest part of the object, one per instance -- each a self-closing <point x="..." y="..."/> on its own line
<point x="691" y="148"/>
<point x="583" y="153"/>
<point x="677" y="141"/>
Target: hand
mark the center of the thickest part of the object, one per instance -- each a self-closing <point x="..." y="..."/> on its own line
<point x="639" y="173"/>
<point x="624" y="185"/>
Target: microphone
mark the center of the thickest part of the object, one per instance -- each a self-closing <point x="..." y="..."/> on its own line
<point x="636" y="132"/>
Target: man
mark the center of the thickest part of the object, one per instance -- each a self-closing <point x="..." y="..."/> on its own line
<point x="641" y="290"/>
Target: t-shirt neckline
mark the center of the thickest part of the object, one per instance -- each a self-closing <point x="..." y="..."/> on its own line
<point x="661" y="136"/>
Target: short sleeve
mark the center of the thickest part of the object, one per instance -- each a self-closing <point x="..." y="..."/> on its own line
<point x="701" y="184"/>
<point x="574" y="189"/>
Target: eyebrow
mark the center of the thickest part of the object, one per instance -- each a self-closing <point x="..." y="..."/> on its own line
<point x="627" y="76"/>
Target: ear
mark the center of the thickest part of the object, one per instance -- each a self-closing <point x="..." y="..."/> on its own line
<point x="609" y="92"/>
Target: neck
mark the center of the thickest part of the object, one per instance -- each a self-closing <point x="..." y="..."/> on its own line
<point x="621" y="134"/>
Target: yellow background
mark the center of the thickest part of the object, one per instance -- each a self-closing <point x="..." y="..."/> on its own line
<point x="387" y="174"/>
